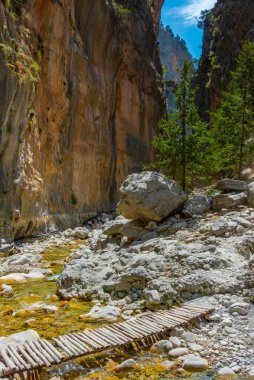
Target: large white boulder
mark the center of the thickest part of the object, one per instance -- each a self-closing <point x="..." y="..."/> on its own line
<point x="18" y="338"/>
<point x="149" y="196"/>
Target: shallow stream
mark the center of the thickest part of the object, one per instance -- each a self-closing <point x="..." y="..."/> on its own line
<point x="27" y="309"/>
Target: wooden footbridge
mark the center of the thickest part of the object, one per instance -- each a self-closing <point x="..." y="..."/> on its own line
<point x="142" y="331"/>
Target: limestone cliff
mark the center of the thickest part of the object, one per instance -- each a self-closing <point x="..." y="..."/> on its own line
<point x="228" y="25"/>
<point x="173" y="52"/>
<point x="80" y="98"/>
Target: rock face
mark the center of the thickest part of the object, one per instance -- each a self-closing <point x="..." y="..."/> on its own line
<point x="228" y="200"/>
<point x="228" y="26"/>
<point x="149" y="196"/>
<point x="173" y="53"/>
<point x="79" y="101"/>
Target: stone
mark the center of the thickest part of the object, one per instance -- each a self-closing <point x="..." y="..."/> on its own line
<point x="228" y="200"/>
<point x="168" y="364"/>
<point x="163" y="346"/>
<point x="247" y="175"/>
<point x="110" y="313"/>
<point x="231" y="184"/>
<point x="220" y="227"/>
<point x="250" y="194"/>
<point x="19" y="338"/>
<point x="195" y="363"/>
<point x="114" y="226"/>
<point x="227" y="322"/>
<point x="149" y="196"/>
<point x="80" y="233"/>
<point x="152" y="297"/>
<point x="197" y="205"/>
<point x="7" y="291"/>
<point x="195" y="347"/>
<point x="251" y="262"/>
<point x="251" y="372"/>
<point x="126" y="364"/>
<point x="176" y="352"/>
<point x="226" y="371"/>
<point x="175" y="341"/>
<point x="133" y="230"/>
<point x="22" y="277"/>
<point x="240" y="308"/>
<point x="189" y="336"/>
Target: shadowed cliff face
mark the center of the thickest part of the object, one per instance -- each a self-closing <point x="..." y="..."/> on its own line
<point x="228" y="26"/>
<point x="80" y="99"/>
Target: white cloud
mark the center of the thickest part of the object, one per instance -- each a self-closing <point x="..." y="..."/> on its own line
<point x="191" y="10"/>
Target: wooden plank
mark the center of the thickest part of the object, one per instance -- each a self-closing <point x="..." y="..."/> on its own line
<point x="9" y="363"/>
<point x="41" y="355"/>
<point x="31" y="353"/>
<point x="110" y="339"/>
<point x="87" y="341"/>
<point x="51" y="350"/>
<point x="94" y="337"/>
<point x="113" y="332"/>
<point x="161" y="320"/>
<point x="28" y="357"/>
<point x="15" y="354"/>
<point x="42" y="350"/>
<point x="124" y="338"/>
<point x="71" y="346"/>
<point x="63" y="347"/>
<point x="127" y="328"/>
<point x="77" y="343"/>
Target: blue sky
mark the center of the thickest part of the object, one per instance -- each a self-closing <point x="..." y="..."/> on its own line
<point x="181" y="15"/>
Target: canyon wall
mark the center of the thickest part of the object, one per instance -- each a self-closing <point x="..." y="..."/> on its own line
<point x="80" y="98"/>
<point x="229" y="24"/>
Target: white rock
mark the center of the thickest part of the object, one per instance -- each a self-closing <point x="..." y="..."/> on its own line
<point x="152" y="296"/>
<point x="189" y="336"/>
<point x="105" y="312"/>
<point x="195" y="347"/>
<point x="226" y="371"/>
<point x="129" y="363"/>
<point x="176" y="352"/>
<point x="168" y="364"/>
<point x="161" y="347"/>
<point x="195" y="363"/>
<point x="175" y="341"/>
<point x="19" y="338"/>
<point x="251" y="373"/>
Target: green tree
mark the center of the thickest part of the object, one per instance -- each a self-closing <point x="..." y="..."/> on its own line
<point x="233" y="123"/>
<point x="183" y="144"/>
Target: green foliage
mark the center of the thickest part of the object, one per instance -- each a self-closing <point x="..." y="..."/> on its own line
<point x="7" y="50"/>
<point x="20" y="61"/>
<point x="204" y="16"/>
<point x="233" y="123"/>
<point x="183" y="145"/>
<point x="121" y="11"/>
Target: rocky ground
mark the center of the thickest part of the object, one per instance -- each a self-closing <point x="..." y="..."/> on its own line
<point x="195" y="255"/>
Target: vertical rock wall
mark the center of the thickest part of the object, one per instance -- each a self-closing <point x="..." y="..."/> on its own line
<point x="230" y="23"/>
<point x="80" y="97"/>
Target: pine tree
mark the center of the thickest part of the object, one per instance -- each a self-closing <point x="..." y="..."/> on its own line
<point x="234" y="122"/>
<point x="183" y="143"/>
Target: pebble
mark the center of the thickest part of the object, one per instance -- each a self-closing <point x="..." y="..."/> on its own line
<point x="195" y="363"/>
<point x="129" y="363"/>
<point x="226" y="371"/>
<point x="189" y="336"/>
<point x="176" y="352"/>
<point x="161" y="347"/>
<point x="175" y="341"/>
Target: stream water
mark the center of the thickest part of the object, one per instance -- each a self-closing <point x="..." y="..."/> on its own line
<point x="36" y="306"/>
